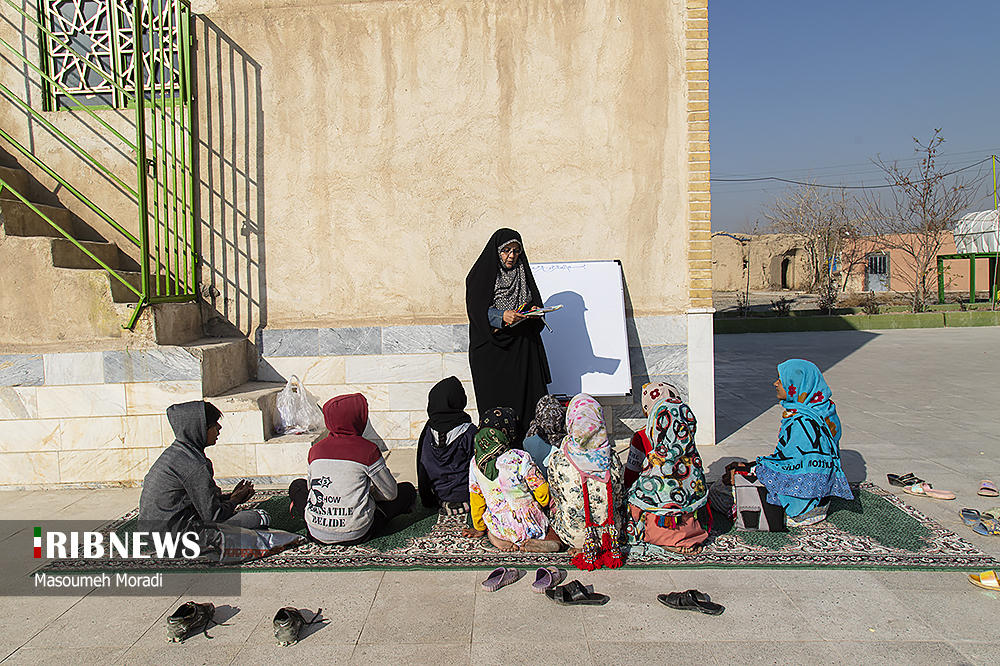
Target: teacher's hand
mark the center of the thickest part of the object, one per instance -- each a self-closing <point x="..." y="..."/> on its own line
<point x="511" y="317"/>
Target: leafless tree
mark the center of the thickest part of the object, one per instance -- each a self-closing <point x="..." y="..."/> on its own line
<point x="917" y="214"/>
<point x="823" y="217"/>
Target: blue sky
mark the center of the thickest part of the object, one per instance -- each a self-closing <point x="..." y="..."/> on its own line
<point x="813" y="90"/>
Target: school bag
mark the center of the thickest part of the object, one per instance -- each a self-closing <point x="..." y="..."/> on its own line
<point x="753" y="512"/>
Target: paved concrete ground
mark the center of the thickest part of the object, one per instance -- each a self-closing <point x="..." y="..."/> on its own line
<point x="923" y="401"/>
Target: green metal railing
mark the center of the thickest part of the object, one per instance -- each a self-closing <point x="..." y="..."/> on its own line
<point x="153" y="78"/>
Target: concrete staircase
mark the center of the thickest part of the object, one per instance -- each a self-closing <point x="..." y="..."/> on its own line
<point x="81" y="400"/>
<point x="50" y="290"/>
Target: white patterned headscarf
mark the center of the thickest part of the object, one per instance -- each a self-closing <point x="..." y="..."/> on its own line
<point x="511" y="289"/>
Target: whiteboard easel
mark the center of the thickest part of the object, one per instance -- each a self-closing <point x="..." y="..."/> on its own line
<point x="587" y="347"/>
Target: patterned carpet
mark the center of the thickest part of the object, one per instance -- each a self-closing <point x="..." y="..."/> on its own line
<point x="876" y="530"/>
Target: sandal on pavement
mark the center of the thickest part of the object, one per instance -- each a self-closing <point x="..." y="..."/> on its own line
<point x="988" y="489"/>
<point x="691" y="600"/>
<point x="987" y="527"/>
<point x="970" y="517"/>
<point x="574" y="593"/>
<point x="499" y="577"/>
<point x="903" y="480"/>
<point x="986" y="579"/>
<point x="925" y="490"/>
<point x="547" y="577"/>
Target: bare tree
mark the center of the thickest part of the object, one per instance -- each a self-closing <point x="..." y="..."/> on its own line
<point x="918" y="213"/>
<point x="823" y="217"/>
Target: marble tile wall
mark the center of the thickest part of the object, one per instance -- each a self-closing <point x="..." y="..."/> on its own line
<point x="164" y="364"/>
<point x="395" y="367"/>
<point x="96" y="417"/>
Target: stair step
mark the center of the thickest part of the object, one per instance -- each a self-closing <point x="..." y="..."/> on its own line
<point x="223" y="363"/>
<point x="247" y="399"/>
<point x="67" y="255"/>
<point x="19" y="220"/>
<point x="16" y="178"/>
<point x="122" y="294"/>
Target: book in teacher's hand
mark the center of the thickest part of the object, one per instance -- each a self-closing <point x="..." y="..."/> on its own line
<point x="537" y="312"/>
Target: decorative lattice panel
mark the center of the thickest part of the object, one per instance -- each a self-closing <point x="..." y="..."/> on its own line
<point x="94" y="37"/>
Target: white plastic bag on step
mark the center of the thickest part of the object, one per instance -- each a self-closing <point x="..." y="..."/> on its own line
<point x="297" y="409"/>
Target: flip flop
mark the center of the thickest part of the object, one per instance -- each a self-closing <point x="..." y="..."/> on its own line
<point x="499" y="577"/>
<point x="993" y="513"/>
<point x="970" y="517"/>
<point x="574" y="593"/>
<point x="987" y="527"/>
<point x="691" y="600"/>
<point x="988" y="489"/>
<point x="903" y="480"/>
<point x="546" y="577"/>
<point x="986" y="579"/>
<point x="925" y="490"/>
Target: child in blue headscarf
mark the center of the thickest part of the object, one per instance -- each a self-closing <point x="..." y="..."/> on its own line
<point x="805" y="468"/>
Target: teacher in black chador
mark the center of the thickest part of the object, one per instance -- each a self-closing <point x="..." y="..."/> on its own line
<point x="508" y="363"/>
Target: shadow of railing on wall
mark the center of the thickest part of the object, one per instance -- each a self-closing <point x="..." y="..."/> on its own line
<point x="230" y="155"/>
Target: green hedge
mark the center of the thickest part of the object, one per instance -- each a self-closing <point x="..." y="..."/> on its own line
<point x="857" y="322"/>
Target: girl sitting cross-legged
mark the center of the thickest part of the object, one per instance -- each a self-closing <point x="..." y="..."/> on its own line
<point x="507" y="491"/>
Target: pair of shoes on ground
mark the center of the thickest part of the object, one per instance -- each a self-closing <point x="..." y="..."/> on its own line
<point x="547" y="580"/>
<point x="912" y="485"/>
<point x="986" y="523"/>
<point x="288" y="622"/>
<point x="691" y="600"/>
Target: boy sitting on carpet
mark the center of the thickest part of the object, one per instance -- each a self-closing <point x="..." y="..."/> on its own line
<point x="179" y="490"/>
<point x="349" y="493"/>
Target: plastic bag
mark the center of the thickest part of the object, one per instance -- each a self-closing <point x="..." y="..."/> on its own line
<point x="297" y="410"/>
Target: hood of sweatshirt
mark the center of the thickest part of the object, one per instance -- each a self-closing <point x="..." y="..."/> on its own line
<point x="188" y="421"/>
<point x="346" y="415"/>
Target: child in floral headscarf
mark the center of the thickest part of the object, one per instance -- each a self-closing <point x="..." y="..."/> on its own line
<point x="586" y="480"/>
<point x="664" y="475"/>
<point x="507" y="491"/>
<point x="546" y="431"/>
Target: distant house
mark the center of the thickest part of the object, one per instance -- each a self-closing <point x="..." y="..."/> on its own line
<point x="882" y="269"/>
<point x="772" y="262"/>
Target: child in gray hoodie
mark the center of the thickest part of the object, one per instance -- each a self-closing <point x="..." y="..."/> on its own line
<point x="179" y="490"/>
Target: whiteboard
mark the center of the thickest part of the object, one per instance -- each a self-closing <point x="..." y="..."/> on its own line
<point x="587" y="347"/>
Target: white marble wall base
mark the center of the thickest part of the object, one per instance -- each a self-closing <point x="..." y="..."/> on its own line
<point x="701" y="371"/>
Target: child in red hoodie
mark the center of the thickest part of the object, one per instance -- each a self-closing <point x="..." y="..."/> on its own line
<point x="349" y="493"/>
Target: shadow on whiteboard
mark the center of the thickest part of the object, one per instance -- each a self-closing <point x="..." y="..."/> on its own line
<point x="570" y="349"/>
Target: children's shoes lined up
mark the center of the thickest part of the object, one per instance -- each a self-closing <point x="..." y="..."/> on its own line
<point x="288" y="622"/>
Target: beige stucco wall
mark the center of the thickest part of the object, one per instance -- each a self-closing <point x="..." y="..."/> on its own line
<point x="354" y="157"/>
<point x="377" y="145"/>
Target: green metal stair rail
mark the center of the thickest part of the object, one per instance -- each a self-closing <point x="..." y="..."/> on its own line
<point x="163" y="145"/>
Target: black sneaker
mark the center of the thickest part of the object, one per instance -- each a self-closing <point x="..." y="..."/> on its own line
<point x="288" y="622"/>
<point x="187" y="617"/>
